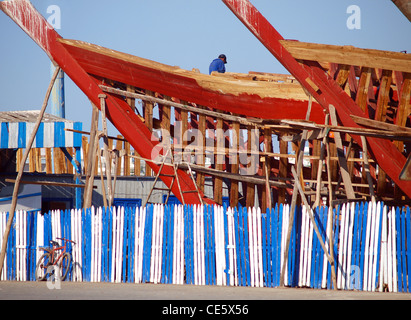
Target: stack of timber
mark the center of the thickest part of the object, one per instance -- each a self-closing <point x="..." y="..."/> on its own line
<point x="221" y="123"/>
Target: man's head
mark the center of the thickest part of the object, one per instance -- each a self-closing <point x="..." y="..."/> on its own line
<point x="223" y="57"/>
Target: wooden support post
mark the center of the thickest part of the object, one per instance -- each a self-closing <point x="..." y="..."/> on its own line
<point x="267" y="200"/>
<point x="283" y="169"/>
<point x="21" y="169"/>
<point x="310" y="214"/>
<point x="126" y="158"/>
<point x="362" y="93"/>
<point x="250" y="197"/>
<point x="380" y="115"/>
<point x="341" y="157"/>
<point x="404" y="110"/>
<point x="148" y="120"/>
<point x="235" y="164"/>
<point x="330" y="205"/>
<point x="201" y="143"/>
<point x="366" y="167"/>
<point x="91" y="156"/>
<point x="118" y="159"/>
<point x="103" y="187"/>
<point x="300" y="159"/>
<point x="107" y="152"/>
<point x="49" y="169"/>
<point x="219" y="160"/>
<point x="320" y="164"/>
<point x="137" y="165"/>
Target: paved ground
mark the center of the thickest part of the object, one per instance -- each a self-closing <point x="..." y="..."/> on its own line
<point x="13" y="290"/>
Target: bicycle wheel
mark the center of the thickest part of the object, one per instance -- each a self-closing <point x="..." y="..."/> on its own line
<point x="64" y="265"/>
<point x="41" y="267"/>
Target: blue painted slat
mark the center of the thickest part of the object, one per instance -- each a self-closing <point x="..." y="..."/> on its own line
<point x="4" y="140"/>
<point x="21" y="138"/>
<point x="278" y="245"/>
<point x="267" y="253"/>
<point x="240" y="241"/>
<point x="247" y="246"/>
<point x="206" y="247"/>
<point x="186" y="247"/>
<point x="362" y="251"/>
<point x="379" y="247"/>
<point x="408" y="254"/>
<point x="210" y="220"/>
<point x="274" y="225"/>
<point x="77" y="137"/>
<point x="403" y="251"/>
<point x="59" y="135"/>
<point x="124" y="245"/>
<point x="103" y="244"/>
<point x="40" y="136"/>
<point x="171" y="243"/>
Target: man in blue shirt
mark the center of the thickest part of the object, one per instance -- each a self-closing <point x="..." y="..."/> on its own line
<point x="218" y="64"/>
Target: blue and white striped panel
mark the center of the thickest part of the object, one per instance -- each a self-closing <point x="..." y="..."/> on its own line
<point x="49" y="135"/>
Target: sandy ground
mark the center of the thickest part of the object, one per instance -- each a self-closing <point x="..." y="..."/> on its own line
<point x="13" y="290"/>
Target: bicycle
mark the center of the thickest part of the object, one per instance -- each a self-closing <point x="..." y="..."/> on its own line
<point x="52" y="258"/>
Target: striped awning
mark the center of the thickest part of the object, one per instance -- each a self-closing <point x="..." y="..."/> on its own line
<point x="16" y="128"/>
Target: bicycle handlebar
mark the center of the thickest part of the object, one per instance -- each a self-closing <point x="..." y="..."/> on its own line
<point x="67" y="240"/>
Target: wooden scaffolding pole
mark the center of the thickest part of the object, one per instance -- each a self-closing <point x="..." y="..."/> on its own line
<point x="107" y="155"/>
<point x="295" y="193"/>
<point x="91" y="158"/>
<point x="21" y="168"/>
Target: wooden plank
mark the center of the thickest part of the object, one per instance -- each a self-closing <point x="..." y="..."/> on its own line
<point x="127" y="158"/>
<point x="70" y="167"/>
<point x="404" y="6"/>
<point x="32" y="160"/>
<point x="119" y="148"/>
<point x="90" y="156"/>
<point x="49" y="169"/>
<point x="148" y="119"/>
<point x="404" y="105"/>
<point x="343" y="73"/>
<point x="380" y="115"/>
<point x="341" y="157"/>
<point x="50" y="183"/>
<point x="283" y="170"/>
<point x="383" y="95"/>
<point x="250" y="188"/>
<point x="363" y="86"/>
<point x="219" y="160"/>
<point x="107" y="148"/>
<point x="201" y="140"/>
<point x="234" y="159"/>
<point x="349" y="55"/>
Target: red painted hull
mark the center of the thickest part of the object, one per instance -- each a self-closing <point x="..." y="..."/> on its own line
<point x="185" y="86"/>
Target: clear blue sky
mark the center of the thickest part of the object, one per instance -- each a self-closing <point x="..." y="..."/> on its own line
<point x="186" y="33"/>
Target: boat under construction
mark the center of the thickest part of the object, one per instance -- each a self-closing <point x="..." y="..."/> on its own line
<point x="340" y="118"/>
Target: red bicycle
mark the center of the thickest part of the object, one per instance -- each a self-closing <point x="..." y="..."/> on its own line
<point x="55" y="257"/>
